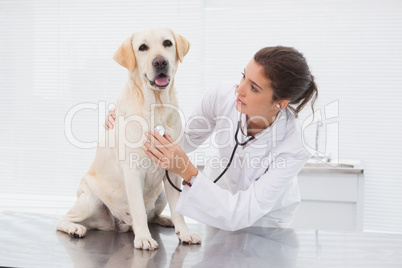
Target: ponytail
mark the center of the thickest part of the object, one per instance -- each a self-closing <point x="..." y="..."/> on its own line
<point x="310" y="94"/>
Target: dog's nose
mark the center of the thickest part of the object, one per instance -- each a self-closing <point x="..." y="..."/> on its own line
<point x="160" y="62"/>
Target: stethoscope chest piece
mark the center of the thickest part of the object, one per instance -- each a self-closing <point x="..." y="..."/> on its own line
<point x="160" y="129"/>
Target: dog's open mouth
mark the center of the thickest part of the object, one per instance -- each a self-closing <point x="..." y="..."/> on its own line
<point x="162" y="80"/>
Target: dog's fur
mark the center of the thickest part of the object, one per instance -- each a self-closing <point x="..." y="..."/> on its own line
<point x="116" y="194"/>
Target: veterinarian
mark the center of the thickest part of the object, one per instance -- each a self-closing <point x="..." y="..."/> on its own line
<point x="260" y="185"/>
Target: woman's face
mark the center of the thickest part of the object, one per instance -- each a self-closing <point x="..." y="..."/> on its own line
<point x="254" y="94"/>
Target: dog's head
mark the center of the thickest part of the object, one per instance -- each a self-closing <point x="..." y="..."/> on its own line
<point x="154" y="55"/>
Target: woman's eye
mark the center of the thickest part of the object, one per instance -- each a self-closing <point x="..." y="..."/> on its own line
<point x="143" y="47"/>
<point x="252" y="87"/>
<point x="167" y="43"/>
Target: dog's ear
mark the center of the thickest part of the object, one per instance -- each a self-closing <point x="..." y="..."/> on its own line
<point x="124" y="55"/>
<point x="182" y="46"/>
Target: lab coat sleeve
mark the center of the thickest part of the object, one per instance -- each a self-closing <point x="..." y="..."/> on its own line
<point x="214" y="206"/>
<point x="201" y="122"/>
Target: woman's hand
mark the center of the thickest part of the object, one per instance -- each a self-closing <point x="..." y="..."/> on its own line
<point x="110" y="119"/>
<point x="170" y="156"/>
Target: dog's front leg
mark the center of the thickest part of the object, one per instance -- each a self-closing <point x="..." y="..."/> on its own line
<point x="182" y="231"/>
<point x="134" y="182"/>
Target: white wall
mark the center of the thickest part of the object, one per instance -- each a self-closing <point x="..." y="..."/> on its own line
<point x="57" y="54"/>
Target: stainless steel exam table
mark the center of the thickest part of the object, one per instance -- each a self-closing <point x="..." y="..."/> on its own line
<point x="31" y="240"/>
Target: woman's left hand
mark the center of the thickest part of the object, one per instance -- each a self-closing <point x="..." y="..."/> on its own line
<point x="170" y="156"/>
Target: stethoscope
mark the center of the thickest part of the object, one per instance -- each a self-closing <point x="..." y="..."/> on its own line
<point x="161" y="131"/>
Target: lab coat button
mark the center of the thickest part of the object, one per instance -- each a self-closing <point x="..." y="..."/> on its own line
<point x="233" y="182"/>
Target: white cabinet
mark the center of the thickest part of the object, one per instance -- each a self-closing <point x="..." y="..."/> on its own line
<point x="330" y="200"/>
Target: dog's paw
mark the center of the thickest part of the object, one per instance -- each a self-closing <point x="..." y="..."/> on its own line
<point x="77" y="231"/>
<point x="189" y="238"/>
<point x="145" y="243"/>
<point x="163" y="221"/>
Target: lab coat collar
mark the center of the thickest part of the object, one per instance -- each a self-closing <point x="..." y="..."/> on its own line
<point x="275" y="131"/>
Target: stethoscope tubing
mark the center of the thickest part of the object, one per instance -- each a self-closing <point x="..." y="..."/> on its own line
<point x="230" y="160"/>
<point x="231" y="157"/>
<point x="234" y="150"/>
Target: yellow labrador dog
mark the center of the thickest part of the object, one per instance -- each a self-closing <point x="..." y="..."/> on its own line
<point x="118" y="193"/>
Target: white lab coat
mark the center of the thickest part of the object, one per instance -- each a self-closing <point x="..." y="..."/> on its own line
<point x="260" y="187"/>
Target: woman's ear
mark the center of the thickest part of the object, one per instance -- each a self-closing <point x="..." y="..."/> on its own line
<point x="124" y="55"/>
<point x="282" y="104"/>
<point x="182" y="46"/>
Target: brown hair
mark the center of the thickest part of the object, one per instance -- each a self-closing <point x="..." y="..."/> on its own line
<point x="290" y="76"/>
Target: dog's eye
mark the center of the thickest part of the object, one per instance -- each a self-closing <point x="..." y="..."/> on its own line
<point x="143" y="47"/>
<point x="167" y="43"/>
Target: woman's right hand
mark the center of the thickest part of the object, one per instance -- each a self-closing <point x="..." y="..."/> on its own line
<point x="110" y="119"/>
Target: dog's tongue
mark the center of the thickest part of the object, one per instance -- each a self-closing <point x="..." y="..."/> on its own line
<point x="162" y="81"/>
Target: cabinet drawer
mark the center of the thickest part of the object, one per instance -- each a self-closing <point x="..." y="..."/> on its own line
<point x="328" y="187"/>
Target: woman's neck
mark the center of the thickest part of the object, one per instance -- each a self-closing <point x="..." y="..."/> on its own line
<point x="255" y="126"/>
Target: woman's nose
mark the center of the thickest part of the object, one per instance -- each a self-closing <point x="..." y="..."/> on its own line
<point x="240" y="89"/>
